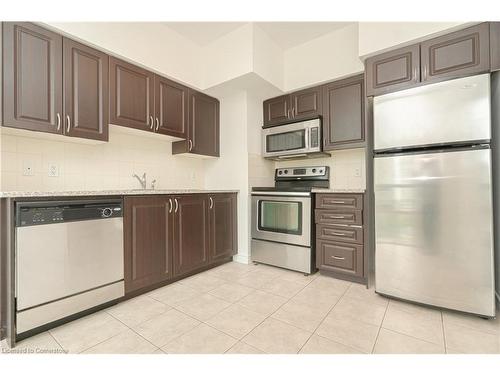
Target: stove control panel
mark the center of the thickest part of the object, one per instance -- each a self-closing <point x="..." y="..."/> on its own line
<point x="301" y="172"/>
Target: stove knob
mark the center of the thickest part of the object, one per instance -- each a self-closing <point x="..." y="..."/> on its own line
<point x="107" y="212"/>
<point x="314" y="170"/>
<point x="280" y="172"/>
<point x="286" y="171"/>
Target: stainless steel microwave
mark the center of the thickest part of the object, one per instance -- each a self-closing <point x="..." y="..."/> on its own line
<point x="300" y="139"/>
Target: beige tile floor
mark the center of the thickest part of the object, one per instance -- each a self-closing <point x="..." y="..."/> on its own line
<point x="258" y="309"/>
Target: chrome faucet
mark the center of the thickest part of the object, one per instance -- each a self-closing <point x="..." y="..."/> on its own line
<point x="141" y="180"/>
<point x="153" y="184"/>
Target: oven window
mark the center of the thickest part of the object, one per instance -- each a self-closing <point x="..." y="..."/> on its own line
<point x="280" y="217"/>
<point x="294" y="140"/>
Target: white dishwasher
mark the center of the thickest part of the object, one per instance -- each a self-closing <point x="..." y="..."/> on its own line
<point x="69" y="258"/>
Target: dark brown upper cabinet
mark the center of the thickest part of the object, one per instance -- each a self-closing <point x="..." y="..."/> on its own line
<point x="148" y="241"/>
<point x="131" y="98"/>
<point x="392" y="71"/>
<point x="461" y="53"/>
<point x="203" y="130"/>
<point x="32" y="78"/>
<point x="223" y="226"/>
<point x="306" y="103"/>
<point x="277" y="110"/>
<point x="85" y="91"/>
<point x="344" y="114"/>
<point x="171" y="107"/>
<point x="495" y="45"/>
<point x="191" y="233"/>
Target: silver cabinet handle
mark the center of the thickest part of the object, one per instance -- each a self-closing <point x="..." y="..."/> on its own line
<point x="170" y="205"/>
<point x="336" y="257"/>
<point x="176" y="205"/>
<point x="336" y="217"/>
<point x="415" y="74"/>
<point x="69" y="123"/>
<point x="152" y="124"/>
<point x="211" y="203"/>
<point x="338" y="202"/>
<point x="157" y="124"/>
<point x="190" y="144"/>
<point x="338" y="234"/>
<point x="58" y="121"/>
<point x="293" y="112"/>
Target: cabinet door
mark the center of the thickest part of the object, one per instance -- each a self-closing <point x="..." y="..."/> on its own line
<point x="223" y="226"/>
<point x="461" y="53"/>
<point x="32" y="78"/>
<point x="344" y="113"/>
<point x="131" y="100"/>
<point x="340" y="257"/>
<point x="171" y="107"/>
<point x="277" y="110"/>
<point x="306" y="103"/>
<point x="85" y="91"/>
<point x="204" y="124"/>
<point x="393" y="71"/>
<point x="191" y="232"/>
<point x="148" y="241"/>
<point x="495" y="45"/>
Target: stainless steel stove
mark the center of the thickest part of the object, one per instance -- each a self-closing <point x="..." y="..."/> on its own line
<point x="282" y="217"/>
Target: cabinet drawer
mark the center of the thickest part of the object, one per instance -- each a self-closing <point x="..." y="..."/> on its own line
<point x="340" y="257"/>
<point x="339" y="233"/>
<point x="342" y="201"/>
<point x="349" y="217"/>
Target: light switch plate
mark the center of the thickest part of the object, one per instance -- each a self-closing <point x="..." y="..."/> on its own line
<point x="53" y="170"/>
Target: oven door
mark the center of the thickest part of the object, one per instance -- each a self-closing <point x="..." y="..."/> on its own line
<point x="285" y="219"/>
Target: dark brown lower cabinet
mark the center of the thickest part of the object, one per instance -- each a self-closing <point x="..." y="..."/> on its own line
<point x="223" y="228"/>
<point x="340" y="233"/>
<point x="170" y="237"/>
<point x="191" y="244"/>
<point x="148" y="241"/>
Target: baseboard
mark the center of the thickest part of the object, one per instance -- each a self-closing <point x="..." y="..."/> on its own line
<point x="245" y="259"/>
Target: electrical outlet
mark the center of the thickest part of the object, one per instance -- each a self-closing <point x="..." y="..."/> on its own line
<point x="53" y="170"/>
<point x="28" y="168"/>
<point x="193" y="176"/>
<point x="357" y="172"/>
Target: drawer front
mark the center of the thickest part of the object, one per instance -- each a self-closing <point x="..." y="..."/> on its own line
<point x="340" y="257"/>
<point x="345" y="217"/>
<point x="339" y="233"/>
<point x="342" y="201"/>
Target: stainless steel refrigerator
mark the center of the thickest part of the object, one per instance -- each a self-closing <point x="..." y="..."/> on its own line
<point x="433" y="195"/>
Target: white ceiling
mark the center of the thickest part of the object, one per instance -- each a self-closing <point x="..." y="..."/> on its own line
<point x="285" y="34"/>
<point x="291" y="34"/>
<point x="202" y="33"/>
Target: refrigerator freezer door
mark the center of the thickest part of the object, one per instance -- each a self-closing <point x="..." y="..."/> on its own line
<point x="445" y="112"/>
<point x="434" y="222"/>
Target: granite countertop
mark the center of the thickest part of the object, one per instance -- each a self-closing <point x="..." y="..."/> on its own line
<point x="34" y="194"/>
<point x="334" y="190"/>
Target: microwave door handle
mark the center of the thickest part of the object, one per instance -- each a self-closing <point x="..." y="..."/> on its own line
<point x="307" y="135"/>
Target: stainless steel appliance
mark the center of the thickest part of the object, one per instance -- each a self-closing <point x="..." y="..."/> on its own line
<point x="297" y="140"/>
<point x="69" y="258"/>
<point x="282" y="230"/>
<point x="433" y="195"/>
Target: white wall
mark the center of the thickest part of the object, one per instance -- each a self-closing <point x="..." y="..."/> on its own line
<point x="378" y="36"/>
<point x="151" y="44"/>
<point x="326" y="58"/>
<point x="268" y="58"/>
<point x="230" y="171"/>
<point x="228" y="57"/>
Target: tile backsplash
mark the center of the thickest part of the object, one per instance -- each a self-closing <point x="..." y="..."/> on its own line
<point x="347" y="168"/>
<point x="95" y="166"/>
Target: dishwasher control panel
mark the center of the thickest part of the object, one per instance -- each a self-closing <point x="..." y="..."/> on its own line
<point x="38" y="213"/>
